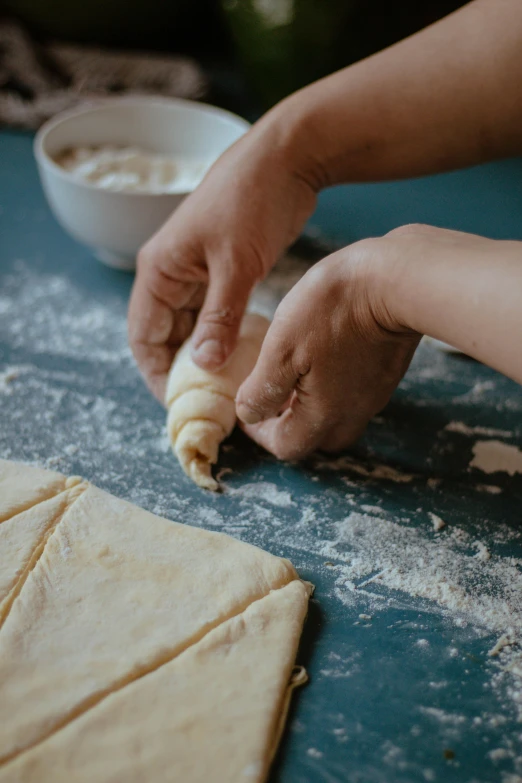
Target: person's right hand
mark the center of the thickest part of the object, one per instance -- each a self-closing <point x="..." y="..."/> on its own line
<point x="201" y="266"/>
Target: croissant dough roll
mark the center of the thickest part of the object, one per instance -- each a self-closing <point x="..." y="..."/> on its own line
<point x="201" y="404"/>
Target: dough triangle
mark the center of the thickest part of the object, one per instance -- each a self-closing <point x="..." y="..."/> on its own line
<point x="23" y="486"/>
<point x="21" y="538"/>
<point x="116" y="593"/>
<point x="211" y="714"/>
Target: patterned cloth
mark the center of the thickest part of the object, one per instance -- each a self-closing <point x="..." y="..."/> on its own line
<point x="38" y="81"/>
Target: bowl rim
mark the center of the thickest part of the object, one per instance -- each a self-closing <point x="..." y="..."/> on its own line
<point x="45" y="160"/>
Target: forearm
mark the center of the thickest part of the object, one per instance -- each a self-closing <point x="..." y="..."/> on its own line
<point x="444" y="98"/>
<point x="467" y="293"/>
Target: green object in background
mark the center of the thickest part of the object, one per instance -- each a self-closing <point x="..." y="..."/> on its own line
<point x="285" y="44"/>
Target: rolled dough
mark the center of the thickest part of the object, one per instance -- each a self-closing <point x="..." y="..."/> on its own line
<point x="127" y="635"/>
<point x="201" y="404"/>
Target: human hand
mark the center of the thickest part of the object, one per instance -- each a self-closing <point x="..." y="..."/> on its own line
<point x="201" y="266"/>
<point x="343" y="337"/>
<point x="331" y="359"/>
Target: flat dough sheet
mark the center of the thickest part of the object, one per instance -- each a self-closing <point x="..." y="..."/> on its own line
<point x="134" y="648"/>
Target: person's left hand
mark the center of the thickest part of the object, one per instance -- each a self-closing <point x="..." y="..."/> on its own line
<point x="332" y="356"/>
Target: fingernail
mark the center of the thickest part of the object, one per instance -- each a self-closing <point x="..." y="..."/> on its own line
<point x="247" y="415"/>
<point x="211" y="352"/>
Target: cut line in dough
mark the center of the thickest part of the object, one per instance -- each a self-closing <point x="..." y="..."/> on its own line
<point x="23" y="539"/>
<point x="24" y="486"/>
<point x="215" y="712"/>
<point x="114" y="595"/>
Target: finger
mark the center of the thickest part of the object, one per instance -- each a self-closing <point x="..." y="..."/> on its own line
<point x="161" y="316"/>
<point x="294" y="434"/>
<point x="185" y="320"/>
<point x="271" y="383"/>
<point x="218" y="323"/>
<point x="154" y="362"/>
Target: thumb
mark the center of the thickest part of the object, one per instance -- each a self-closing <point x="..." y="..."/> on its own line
<point x="217" y="327"/>
<point x="269" y="386"/>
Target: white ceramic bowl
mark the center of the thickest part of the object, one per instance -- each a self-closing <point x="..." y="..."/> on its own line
<point x="115" y="223"/>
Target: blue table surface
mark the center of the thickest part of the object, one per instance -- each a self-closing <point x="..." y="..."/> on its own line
<point x="405" y="693"/>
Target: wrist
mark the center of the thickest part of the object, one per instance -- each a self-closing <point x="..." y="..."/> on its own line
<point x="384" y="272"/>
<point x="292" y="131"/>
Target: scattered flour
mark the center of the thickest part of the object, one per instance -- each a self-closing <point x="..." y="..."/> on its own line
<point x="479" y="390"/>
<point x="503" y="642"/>
<point x="378" y="472"/>
<point x="498" y="754"/>
<point x="308" y="516"/>
<point x="210" y="516"/>
<point x="473" y="586"/>
<point x="491" y="489"/>
<point x="73" y="354"/>
<point x="464" y="429"/>
<point x="392" y="754"/>
<point x="444" y="570"/>
<point x="493" y="456"/>
<point x="11" y="374"/>
<point x="450" y="718"/>
<point x="483" y="552"/>
<point x="372" y="509"/>
<point x="342" y="668"/>
<point x="62" y="322"/>
<point x="436" y="521"/>
<point x="266" y="491"/>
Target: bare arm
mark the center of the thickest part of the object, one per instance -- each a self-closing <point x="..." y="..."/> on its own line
<point x="344" y="336"/>
<point x="448" y="96"/>
<point x="462" y="289"/>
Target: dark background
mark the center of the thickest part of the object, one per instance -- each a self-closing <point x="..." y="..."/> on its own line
<point x="244" y="54"/>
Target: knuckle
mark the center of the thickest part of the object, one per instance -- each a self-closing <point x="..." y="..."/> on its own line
<point x="265" y="401"/>
<point x="228" y="317"/>
<point x="145" y="257"/>
<point x="288" y="345"/>
<point x="301" y="363"/>
<point x="241" y="261"/>
<point x="270" y="392"/>
<point x="288" y="452"/>
<point x="253" y="256"/>
<point x="292" y="449"/>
